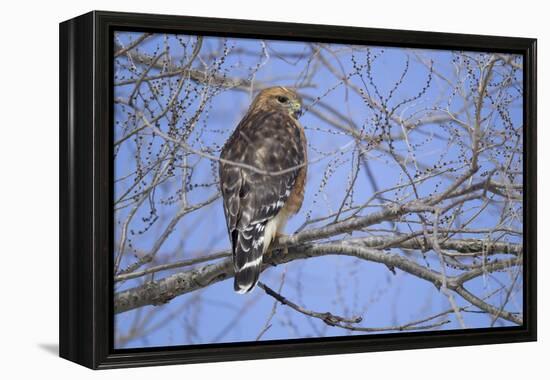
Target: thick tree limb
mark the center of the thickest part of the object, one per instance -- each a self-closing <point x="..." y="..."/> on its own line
<point x="462" y="246"/>
<point x="162" y="291"/>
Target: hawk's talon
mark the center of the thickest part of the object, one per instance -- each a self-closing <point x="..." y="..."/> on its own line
<point x="278" y="237"/>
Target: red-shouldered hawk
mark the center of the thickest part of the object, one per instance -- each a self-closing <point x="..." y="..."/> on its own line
<point x="257" y="205"/>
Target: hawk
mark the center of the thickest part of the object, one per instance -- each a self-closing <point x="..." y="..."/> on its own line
<point x="257" y="203"/>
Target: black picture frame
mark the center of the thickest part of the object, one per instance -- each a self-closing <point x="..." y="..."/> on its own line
<point x="86" y="172"/>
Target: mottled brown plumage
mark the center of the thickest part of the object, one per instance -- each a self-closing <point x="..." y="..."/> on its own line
<point x="257" y="205"/>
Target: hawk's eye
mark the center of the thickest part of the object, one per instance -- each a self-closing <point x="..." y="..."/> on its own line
<point x="282" y="99"/>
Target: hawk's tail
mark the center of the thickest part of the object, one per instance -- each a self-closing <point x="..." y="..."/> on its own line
<point x="248" y="249"/>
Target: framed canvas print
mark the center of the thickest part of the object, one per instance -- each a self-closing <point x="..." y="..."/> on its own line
<point x="237" y="189"/>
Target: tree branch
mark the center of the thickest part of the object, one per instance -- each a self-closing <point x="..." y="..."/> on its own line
<point x="122" y="50"/>
<point x="348" y="323"/>
<point x="327" y="317"/>
<point x="163" y="290"/>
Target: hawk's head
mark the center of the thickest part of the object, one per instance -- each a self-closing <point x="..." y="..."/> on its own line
<point x="279" y="98"/>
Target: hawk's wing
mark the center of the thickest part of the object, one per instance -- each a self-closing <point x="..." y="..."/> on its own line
<point x="270" y="142"/>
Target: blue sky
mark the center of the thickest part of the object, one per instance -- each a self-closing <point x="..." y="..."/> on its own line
<point x="342" y="285"/>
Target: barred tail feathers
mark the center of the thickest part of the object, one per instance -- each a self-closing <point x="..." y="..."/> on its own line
<point x="248" y="250"/>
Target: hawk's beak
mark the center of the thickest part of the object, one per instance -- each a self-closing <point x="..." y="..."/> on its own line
<point x="296" y="108"/>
